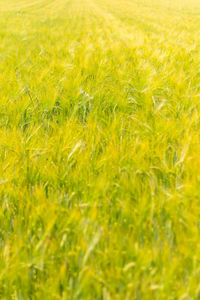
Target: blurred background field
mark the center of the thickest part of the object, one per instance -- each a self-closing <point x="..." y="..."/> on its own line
<point x="99" y="149"/>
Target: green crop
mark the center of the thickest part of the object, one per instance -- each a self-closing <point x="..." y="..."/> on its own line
<point x="100" y="149"/>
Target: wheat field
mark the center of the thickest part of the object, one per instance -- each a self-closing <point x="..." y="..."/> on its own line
<point x="100" y="149"/>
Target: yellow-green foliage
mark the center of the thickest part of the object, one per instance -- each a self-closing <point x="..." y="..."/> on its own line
<point x="99" y="149"/>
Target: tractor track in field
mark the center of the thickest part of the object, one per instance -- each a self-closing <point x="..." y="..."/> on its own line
<point x="31" y="5"/>
<point x="117" y="27"/>
<point x="134" y="27"/>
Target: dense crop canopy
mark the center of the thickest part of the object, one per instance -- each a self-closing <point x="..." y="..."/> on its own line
<point x="99" y="149"/>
